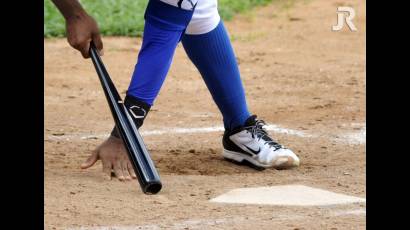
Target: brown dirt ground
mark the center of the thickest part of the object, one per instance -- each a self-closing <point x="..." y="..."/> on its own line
<point x="297" y="73"/>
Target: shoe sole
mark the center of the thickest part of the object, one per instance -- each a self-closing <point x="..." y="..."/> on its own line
<point x="280" y="163"/>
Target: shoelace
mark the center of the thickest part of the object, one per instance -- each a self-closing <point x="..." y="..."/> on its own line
<point x="260" y="132"/>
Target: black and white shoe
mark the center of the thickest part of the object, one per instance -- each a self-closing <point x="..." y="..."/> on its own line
<point x="251" y="143"/>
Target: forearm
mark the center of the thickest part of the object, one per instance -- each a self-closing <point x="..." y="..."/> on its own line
<point x="81" y="28"/>
<point x="70" y="9"/>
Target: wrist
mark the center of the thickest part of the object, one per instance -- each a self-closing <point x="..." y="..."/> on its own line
<point x="74" y="16"/>
<point x="70" y="9"/>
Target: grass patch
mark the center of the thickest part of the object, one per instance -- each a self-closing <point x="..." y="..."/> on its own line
<point x="114" y="17"/>
<point x="126" y="17"/>
<point x="228" y="8"/>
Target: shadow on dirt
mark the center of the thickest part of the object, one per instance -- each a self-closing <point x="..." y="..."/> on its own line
<point x="198" y="162"/>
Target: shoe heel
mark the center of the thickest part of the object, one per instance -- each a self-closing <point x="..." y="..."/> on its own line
<point x="232" y="156"/>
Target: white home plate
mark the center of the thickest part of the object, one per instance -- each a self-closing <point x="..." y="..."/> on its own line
<point x="295" y="195"/>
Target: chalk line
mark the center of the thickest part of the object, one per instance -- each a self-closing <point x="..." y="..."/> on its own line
<point x="173" y="130"/>
<point x="203" y="223"/>
<point x="351" y="138"/>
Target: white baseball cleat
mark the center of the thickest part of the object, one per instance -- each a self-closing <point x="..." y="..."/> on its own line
<point x="251" y="143"/>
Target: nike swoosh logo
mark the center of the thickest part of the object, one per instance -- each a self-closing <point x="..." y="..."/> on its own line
<point x="253" y="151"/>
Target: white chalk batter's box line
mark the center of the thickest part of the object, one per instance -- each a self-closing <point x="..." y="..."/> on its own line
<point x="203" y="223"/>
<point x="358" y="137"/>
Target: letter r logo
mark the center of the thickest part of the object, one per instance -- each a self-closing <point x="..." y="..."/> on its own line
<point x="345" y="14"/>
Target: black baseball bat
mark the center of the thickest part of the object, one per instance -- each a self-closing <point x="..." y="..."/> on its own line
<point x="141" y="161"/>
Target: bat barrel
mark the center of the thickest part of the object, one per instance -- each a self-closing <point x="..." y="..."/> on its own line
<point x="146" y="172"/>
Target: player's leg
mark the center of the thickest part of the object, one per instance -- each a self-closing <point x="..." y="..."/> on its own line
<point x="208" y="46"/>
<point x="164" y="26"/>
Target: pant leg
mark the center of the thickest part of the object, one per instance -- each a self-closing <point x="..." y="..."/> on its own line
<point x="213" y="55"/>
<point x="164" y="26"/>
<point x="154" y="61"/>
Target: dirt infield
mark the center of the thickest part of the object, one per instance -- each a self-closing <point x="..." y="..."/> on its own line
<point x="301" y="77"/>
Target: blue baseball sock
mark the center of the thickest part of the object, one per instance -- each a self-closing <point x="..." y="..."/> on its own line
<point x="214" y="57"/>
<point x="164" y="27"/>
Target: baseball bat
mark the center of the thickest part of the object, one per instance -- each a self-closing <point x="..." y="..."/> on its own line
<point x="137" y="152"/>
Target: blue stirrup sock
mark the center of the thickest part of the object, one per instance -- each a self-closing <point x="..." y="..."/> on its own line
<point x="213" y="55"/>
<point x="164" y="27"/>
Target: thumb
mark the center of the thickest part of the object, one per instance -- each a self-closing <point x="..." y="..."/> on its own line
<point x="90" y="161"/>
<point x="98" y="43"/>
<point x="85" y="49"/>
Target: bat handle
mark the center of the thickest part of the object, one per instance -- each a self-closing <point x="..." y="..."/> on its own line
<point x="93" y="50"/>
